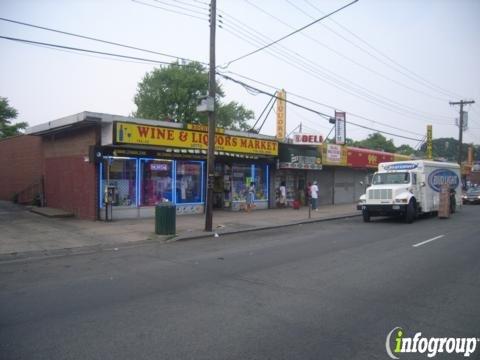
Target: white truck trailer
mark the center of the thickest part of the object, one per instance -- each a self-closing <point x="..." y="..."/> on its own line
<point x="410" y="188"/>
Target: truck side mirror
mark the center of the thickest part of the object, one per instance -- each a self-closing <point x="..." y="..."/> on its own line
<point x="422" y="184"/>
<point x="361" y="182"/>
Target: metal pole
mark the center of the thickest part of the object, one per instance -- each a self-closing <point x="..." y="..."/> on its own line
<point x="460" y="135"/>
<point x="211" y="122"/>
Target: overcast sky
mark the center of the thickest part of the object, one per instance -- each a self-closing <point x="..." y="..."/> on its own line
<point x="395" y="62"/>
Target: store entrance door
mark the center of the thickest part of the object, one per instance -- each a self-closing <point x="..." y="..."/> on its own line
<point x="222" y="187"/>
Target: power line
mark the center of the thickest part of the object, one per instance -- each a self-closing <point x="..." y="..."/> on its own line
<point x="343" y="85"/>
<point x="290" y="34"/>
<point x="331" y="78"/>
<point x="331" y="107"/>
<point x="342" y="55"/>
<point x="180" y="7"/>
<point x="31" y="42"/>
<point x="326" y="105"/>
<point x="98" y="40"/>
<point x="193" y="5"/>
<point x="86" y="50"/>
<point x="170" y="10"/>
<point x="310" y="109"/>
<point x="93" y="55"/>
<point x="406" y="72"/>
<point x="118" y="44"/>
<point x="266" y="116"/>
<point x="264" y="109"/>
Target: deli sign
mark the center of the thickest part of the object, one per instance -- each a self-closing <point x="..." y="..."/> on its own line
<point x="307" y="139"/>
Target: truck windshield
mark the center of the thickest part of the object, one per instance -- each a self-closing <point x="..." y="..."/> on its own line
<point x="391" y="178"/>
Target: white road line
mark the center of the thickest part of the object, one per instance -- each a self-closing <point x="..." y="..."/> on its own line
<point x="427" y="241"/>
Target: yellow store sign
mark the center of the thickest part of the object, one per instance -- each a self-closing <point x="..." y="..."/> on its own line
<point x="281" y="115"/>
<point x="141" y="134"/>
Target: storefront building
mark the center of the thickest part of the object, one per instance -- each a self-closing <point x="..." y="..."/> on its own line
<point x="151" y="164"/>
<point x="148" y="162"/>
<point x="338" y="170"/>
<point x="69" y="163"/>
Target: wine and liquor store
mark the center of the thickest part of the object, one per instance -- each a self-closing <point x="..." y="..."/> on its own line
<point x="147" y="164"/>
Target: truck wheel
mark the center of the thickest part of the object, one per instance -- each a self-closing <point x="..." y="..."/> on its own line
<point x="366" y="216"/>
<point x="410" y="212"/>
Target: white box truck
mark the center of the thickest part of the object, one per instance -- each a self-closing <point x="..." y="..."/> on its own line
<point x="410" y="188"/>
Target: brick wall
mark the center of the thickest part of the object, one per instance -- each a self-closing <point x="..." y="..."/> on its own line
<point x="70" y="185"/>
<point x="21" y="164"/>
<point x="70" y="181"/>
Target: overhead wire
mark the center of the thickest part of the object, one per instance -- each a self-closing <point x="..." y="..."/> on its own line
<point x="31" y="42"/>
<point x="291" y="34"/>
<point x="297" y="66"/>
<point x="142" y="60"/>
<point x="170" y="10"/>
<point x="300" y="62"/>
<point x="264" y="109"/>
<point x="109" y="58"/>
<point x="342" y="55"/>
<point x="180" y="7"/>
<point x="243" y="84"/>
<point x="98" y="40"/>
<point x="198" y="7"/>
<point x="305" y="121"/>
<point x="266" y="116"/>
<point x="405" y="71"/>
<point x="328" y="106"/>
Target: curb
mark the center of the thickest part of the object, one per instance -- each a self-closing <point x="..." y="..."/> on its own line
<point x="260" y="228"/>
<point x="155" y="239"/>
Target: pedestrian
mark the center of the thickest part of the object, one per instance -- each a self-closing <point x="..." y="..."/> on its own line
<point x="314" y="195"/>
<point x="250" y="197"/>
<point x="283" y="194"/>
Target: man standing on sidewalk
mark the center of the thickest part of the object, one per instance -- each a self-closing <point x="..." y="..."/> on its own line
<point x="314" y="195"/>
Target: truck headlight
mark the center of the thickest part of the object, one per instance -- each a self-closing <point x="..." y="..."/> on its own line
<point x="404" y="201"/>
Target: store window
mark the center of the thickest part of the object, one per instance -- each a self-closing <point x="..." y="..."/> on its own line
<point x="261" y="182"/>
<point x="241" y="178"/>
<point x="243" y="175"/>
<point x="121" y="174"/>
<point x="189" y="182"/>
<point x="156" y="184"/>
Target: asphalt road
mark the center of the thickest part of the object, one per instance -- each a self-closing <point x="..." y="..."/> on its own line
<point x="329" y="290"/>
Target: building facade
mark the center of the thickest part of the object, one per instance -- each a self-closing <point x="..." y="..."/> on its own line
<point x="69" y="164"/>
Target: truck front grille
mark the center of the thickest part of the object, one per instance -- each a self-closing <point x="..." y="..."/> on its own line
<point x="380" y="194"/>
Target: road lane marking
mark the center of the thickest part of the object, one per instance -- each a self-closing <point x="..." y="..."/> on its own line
<point x="427" y="241"/>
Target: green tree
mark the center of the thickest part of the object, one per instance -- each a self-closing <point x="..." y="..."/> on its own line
<point x="234" y="116"/>
<point x="6" y="114"/>
<point x="171" y="93"/>
<point x="377" y="141"/>
<point x="405" y="150"/>
<point x="446" y="148"/>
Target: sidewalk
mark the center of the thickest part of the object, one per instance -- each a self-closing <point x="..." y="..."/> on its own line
<point x="24" y="234"/>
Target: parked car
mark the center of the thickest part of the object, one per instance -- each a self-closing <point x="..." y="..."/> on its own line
<point x="472" y="196"/>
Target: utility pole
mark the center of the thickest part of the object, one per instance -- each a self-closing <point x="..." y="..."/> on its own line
<point x="211" y="121"/>
<point x="460" y="126"/>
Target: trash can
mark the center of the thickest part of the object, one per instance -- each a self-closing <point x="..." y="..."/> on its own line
<point x="165" y="219"/>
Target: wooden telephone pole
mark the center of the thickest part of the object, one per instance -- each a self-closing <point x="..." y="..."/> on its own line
<point x="211" y="122"/>
<point x="460" y="126"/>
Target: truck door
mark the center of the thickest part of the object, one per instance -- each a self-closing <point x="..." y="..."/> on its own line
<point x="416" y="189"/>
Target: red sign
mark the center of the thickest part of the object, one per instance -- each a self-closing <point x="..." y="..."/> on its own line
<point x="365" y="158"/>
